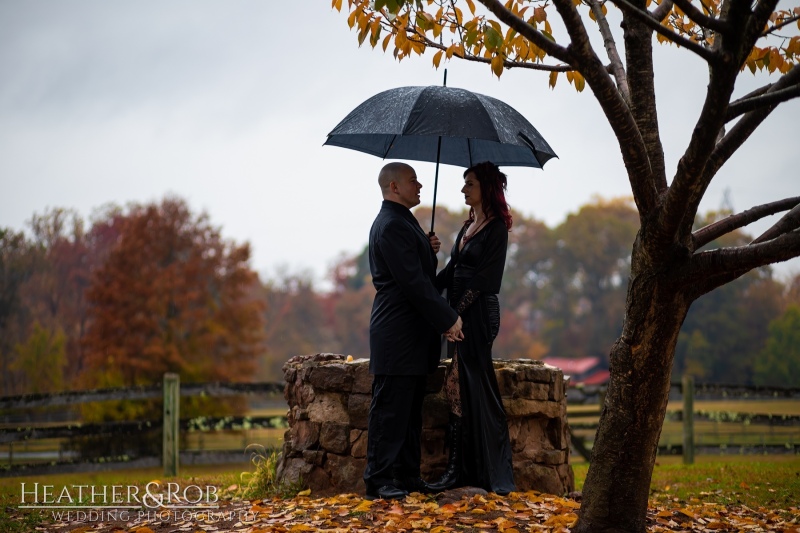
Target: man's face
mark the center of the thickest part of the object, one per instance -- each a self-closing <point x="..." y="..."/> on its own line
<point x="408" y="188"/>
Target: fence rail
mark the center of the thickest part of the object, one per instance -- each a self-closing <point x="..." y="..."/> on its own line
<point x="690" y="443"/>
<point x="171" y="426"/>
<point x="172" y="456"/>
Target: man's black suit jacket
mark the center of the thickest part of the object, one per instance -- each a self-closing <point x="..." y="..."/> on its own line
<point x="408" y="314"/>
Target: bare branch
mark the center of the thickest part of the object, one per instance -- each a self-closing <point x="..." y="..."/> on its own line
<point x="641" y="80"/>
<point x="508" y="63"/>
<point x="770" y="98"/>
<point x="722" y="227"/>
<point x="755" y="92"/>
<point x="655" y="25"/>
<point x="742" y="130"/>
<point x="788" y="222"/>
<point x="705" y="155"/>
<point x="616" y="67"/>
<point x="781" y="25"/>
<point x="740" y="259"/>
<point x="661" y="12"/>
<point x="701" y="18"/>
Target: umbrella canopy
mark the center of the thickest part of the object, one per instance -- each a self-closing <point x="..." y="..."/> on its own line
<point x="441" y="124"/>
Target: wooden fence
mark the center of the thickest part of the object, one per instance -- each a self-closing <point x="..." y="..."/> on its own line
<point x="689" y="416"/>
<point x="171" y="425"/>
<point x="583" y="423"/>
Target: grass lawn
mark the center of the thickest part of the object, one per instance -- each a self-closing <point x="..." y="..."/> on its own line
<point x="770" y="481"/>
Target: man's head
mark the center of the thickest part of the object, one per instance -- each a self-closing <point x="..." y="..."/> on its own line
<point x="399" y="184"/>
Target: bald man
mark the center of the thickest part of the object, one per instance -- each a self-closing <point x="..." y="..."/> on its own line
<point x="408" y="318"/>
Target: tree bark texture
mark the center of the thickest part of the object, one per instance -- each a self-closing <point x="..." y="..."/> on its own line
<point x="617" y="487"/>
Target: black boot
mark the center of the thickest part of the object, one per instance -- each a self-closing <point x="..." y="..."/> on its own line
<point x="452" y="474"/>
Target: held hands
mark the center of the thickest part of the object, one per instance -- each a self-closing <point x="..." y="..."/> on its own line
<point x="435" y="242"/>
<point x="455" y="334"/>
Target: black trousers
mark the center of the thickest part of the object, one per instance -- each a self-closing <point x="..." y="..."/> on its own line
<point x="394" y="429"/>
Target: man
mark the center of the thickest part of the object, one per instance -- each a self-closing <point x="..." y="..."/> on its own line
<point x="408" y="317"/>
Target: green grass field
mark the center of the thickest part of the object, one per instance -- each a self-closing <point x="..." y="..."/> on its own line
<point x="756" y="481"/>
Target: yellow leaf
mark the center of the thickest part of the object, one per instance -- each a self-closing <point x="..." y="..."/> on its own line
<point x="337" y="4"/>
<point x="471" y="5"/>
<point x="437" y="58"/>
<point x="553" y="79"/>
<point x="580" y="82"/>
<point x="497" y="65"/>
<point x="363" y="507"/>
<point x="591" y="15"/>
<point x="386" y="41"/>
<point x="306" y="492"/>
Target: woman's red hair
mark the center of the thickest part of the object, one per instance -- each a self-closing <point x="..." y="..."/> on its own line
<point x="493" y="185"/>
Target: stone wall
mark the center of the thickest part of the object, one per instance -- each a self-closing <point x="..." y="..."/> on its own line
<point x="326" y="443"/>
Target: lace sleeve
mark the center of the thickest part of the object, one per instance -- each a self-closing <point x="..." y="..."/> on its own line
<point x="469" y="296"/>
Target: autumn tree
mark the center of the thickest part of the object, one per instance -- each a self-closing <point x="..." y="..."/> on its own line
<point x="171" y="296"/>
<point x="14" y="271"/>
<point x="40" y="360"/>
<point x="669" y="267"/>
<point x="297" y="319"/>
<point x="779" y="364"/>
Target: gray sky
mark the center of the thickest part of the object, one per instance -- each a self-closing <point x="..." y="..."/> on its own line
<point x="227" y="104"/>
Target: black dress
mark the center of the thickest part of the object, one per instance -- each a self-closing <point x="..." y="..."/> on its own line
<point x="473" y="277"/>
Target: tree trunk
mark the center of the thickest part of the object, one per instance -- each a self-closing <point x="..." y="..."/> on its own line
<point x="615" y="494"/>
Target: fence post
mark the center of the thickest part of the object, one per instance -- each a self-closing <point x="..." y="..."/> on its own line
<point x="172" y="403"/>
<point x="687" y="389"/>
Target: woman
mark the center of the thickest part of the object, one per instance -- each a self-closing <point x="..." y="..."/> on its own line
<point x="480" y="450"/>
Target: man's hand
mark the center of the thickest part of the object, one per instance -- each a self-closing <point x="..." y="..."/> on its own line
<point x="455" y="334"/>
<point x="435" y="242"/>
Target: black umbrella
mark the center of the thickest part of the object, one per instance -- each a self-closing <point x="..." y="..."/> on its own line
<point x="441" y="124"/>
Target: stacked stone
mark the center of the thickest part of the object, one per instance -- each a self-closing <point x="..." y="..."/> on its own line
<point x="326" y="443"/>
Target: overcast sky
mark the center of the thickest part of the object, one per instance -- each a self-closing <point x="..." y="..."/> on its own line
<point x="227" y="104"/>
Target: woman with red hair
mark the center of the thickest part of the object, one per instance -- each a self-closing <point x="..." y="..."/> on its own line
<point x="480" y="450"/>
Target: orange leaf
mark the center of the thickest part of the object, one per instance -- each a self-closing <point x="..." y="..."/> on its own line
<point x="497" y="65"/>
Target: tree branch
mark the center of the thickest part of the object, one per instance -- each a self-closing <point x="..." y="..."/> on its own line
<point x="758" y="18"/>
<point x="770" y="98"/>
<point x="742" y="130"/>
<point x="740" y="259"/>
<point x="655" y="25"/>
<point x="781" y="25"/>
<point x="582" y="57"/>
<point x="532" y="34"/>
<point x="616" y="67"/>
<point x="508" y="63"/>
<point x="663" y="9"/>
<point x="705" y="155"/>
<point x="788" y="222"/>
<point x="701" y="18"/>
<point x="641" y="79"/>
<point x="722" y="227"/>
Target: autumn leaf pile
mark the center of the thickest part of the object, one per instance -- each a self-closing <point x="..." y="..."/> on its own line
<point x="515" y="513"/>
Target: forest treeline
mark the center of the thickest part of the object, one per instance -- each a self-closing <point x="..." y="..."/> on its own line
<point x="151" y="288"/>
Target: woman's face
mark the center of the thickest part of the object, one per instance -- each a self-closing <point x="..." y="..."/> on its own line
<point x="471" y="190"/>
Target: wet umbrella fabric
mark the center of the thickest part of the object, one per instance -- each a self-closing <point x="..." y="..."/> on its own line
<point x="409" y="122"/>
